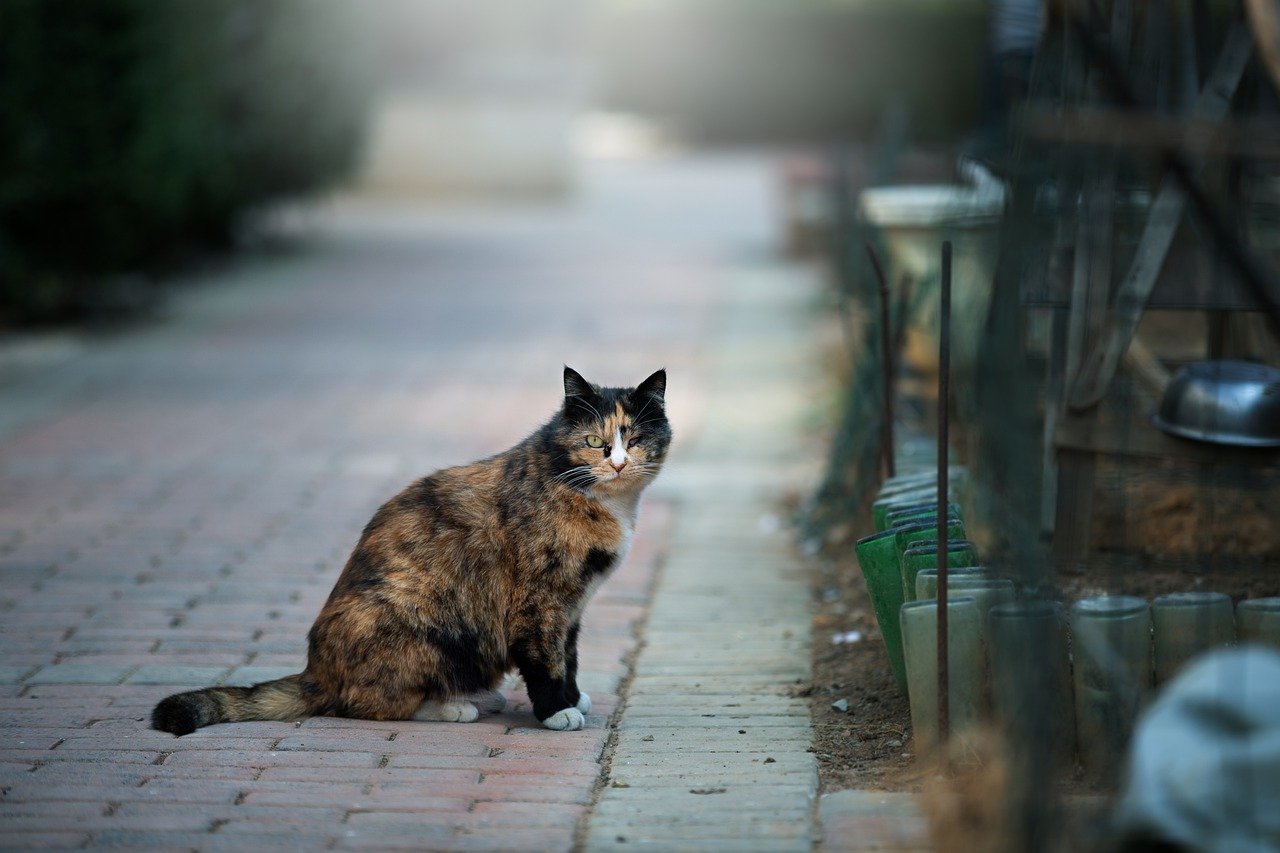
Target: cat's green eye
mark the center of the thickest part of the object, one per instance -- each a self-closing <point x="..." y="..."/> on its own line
<point x="595" y="441"/>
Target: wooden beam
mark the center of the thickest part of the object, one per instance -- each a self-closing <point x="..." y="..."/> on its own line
<point x="1099" y="368"/>
<point x="1107" y="127"/>
<point x="1193" y="278"/>
<point x="1136" y="437"/>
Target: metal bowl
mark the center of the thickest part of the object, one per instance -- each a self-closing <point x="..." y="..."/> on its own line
<point x="1224" y="402"/>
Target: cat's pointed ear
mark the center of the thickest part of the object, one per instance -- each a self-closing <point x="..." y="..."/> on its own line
<point x="581" y="400"/>
<point x="654" y="387"/>
<point x="575" y="385"/>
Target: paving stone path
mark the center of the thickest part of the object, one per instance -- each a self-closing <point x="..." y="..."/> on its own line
<point x="712" y="747"/>
<point x="177" y="498"/>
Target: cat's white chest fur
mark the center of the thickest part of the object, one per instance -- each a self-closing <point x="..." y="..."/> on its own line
<point x="623" y="510"/>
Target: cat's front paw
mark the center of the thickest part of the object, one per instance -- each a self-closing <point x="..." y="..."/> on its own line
<point x="584" y="703"/>
<point x="453" y="711"/>
<point x="568" y="720"/>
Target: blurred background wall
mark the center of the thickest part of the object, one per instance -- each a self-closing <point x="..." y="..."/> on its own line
<point x="793" y="70"/>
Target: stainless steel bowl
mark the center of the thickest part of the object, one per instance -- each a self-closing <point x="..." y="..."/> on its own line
<point x="1224" y="402"/>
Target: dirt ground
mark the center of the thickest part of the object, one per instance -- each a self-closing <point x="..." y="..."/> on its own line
<point x="868" y="745"/>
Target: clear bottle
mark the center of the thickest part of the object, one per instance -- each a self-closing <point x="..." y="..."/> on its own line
<point x="1031" y="675"/>
<point x="964" y="663"/>
<point x="1258" y="620"/>
<point x="927" y="579"/>
<point x="1111" y="650"/>
<point x="1187" y="623"/>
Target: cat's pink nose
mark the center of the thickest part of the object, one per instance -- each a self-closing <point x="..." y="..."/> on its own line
<point x="618" y="466"/>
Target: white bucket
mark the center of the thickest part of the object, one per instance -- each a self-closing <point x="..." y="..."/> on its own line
<point x="914" y="221"/>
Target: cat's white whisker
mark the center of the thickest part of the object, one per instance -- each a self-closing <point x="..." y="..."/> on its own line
<point x="577" y="477"/>
<point x="593" y="409"/>
<point x="643" y="409"/>
<point x="573" y="473"/>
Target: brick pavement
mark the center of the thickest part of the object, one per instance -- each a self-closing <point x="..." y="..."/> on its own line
<point x="176" y="499"/>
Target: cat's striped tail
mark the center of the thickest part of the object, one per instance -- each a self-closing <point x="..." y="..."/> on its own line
<point x="183" y="713"/>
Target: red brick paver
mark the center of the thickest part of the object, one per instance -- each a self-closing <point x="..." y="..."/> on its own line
<point x="177" y="500"/>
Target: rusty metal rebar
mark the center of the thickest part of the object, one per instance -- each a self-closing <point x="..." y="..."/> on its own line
<point x="886" y="363"/>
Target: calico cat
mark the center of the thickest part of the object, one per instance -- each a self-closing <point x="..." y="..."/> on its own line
<point x="469" y="572"/>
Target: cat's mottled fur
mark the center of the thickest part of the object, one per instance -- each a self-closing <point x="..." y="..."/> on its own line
<point x="470" y="572"/>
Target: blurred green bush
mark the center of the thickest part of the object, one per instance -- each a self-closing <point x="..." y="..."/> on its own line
<point x="134" y="132"/>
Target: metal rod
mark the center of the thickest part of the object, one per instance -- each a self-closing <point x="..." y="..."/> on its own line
<point x="944" y="394"/>
<point x="886" y="363"/>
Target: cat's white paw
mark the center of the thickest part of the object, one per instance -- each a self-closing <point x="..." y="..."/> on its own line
<point x="568" y="720"/>
<point x="451" y="711"/>
<point x="584" y="703"/>
<point x="488" y="701"/>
